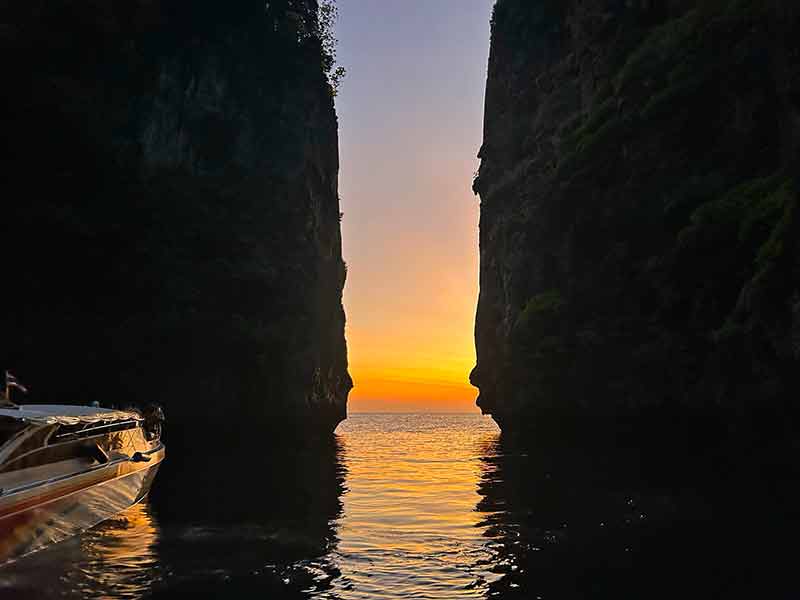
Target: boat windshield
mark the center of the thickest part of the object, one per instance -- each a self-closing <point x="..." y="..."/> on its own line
<point x="9" y="428"/>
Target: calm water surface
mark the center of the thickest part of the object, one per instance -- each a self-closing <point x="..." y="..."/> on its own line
<point x="405" y="506"/>
<point x="390" y="511"/>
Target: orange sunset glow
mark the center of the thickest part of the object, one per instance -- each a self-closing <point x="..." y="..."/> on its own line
<point x="409" y="130"/>
<point x="413" y="350"/>
<point x="396" y="375"/>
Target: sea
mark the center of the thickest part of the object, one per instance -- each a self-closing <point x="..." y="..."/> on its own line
<point x="422" y="506"/>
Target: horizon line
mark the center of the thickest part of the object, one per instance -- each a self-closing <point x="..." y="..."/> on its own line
<point x="416" y="412"/>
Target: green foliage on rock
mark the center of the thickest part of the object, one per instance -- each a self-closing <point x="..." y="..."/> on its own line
<point x="327" y="15"/>
<point x="640" y="158"/>
<point x="664" y="45"/>
<point x="541" y="307"/>
<point x="749" y="207"/>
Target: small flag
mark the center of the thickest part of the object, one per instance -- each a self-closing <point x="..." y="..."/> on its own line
<point x="11" y="381"/>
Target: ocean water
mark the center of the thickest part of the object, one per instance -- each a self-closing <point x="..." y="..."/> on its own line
<point x="418" y="506"/>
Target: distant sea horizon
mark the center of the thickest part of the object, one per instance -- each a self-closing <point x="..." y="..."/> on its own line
<point x="416" y="412"/>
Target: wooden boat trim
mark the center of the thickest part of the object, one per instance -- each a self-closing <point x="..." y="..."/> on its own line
<point x="28" y="486"/>
<point x="35" y="502"/>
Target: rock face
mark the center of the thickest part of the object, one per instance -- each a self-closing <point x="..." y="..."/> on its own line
<point x="171" y="223"/>
<point x="639" y="226"/>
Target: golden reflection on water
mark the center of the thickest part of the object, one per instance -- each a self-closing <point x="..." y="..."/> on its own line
<point x="409" y="525"/>
<point x="120" y="554"/>
<point x="402" y="506"/>
<point x="396" y="509"/>
<point x="116" y="559"/>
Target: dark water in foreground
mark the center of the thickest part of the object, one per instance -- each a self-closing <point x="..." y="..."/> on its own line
<point x="424" y="506"/>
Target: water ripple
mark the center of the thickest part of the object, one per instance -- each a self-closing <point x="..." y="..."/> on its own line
<point x="409" y="526"/>
<point x="423" y="506"/>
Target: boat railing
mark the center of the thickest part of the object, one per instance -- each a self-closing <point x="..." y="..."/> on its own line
<point x="100" y="429"/>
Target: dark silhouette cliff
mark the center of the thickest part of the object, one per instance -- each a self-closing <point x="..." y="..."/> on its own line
<point x="170" y="214"/>
<point x="639" y="227"/>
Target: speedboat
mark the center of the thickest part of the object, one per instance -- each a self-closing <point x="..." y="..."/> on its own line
<point x="64" y="469"/>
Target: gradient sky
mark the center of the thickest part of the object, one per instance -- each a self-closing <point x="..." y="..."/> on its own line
<point x="410" y="124"/>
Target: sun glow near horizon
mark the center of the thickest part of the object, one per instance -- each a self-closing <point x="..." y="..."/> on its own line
<point x="410" y="126"/>
<point x="414" y="351"/>
<point x="402" y="378"/>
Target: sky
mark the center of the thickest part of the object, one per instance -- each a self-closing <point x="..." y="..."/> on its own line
<point x="410" y="124"/>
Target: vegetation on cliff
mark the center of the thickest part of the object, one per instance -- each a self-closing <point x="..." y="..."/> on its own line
<point x="640" y="164"/>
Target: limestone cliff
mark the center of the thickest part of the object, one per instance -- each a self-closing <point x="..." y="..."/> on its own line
<point x="639" y="228"/>
<point x="171" y="217"/>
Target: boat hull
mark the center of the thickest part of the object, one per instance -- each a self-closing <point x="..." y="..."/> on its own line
<point x="35" y="518"/>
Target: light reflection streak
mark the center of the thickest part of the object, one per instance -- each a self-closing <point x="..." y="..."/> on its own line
<point x="117" y="559"/>
<point x="409" y="526"/>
